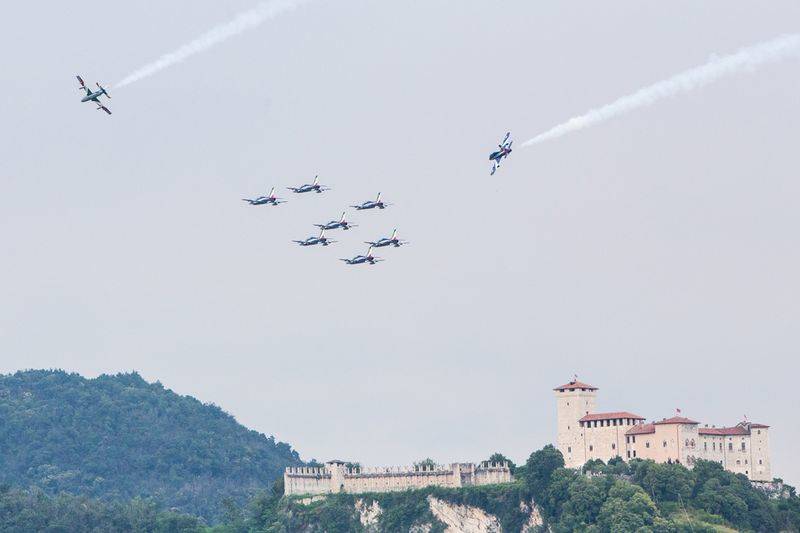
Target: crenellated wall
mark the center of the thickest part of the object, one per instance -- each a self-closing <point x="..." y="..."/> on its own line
<point x="336" y="476"/>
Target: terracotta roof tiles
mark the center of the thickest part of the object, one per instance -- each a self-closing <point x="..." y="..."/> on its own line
<point x="641" y="429"/>
<point x="677" y="420"/>
<point x="572" y="385"/>
<point x="610" y="416"/>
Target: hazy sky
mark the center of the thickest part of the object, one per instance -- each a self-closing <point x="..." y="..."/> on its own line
<point x="655" y="255"/>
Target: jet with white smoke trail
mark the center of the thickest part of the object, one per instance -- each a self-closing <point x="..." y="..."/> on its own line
<point x="244" y="21"/>
<point x="745" y="59"/>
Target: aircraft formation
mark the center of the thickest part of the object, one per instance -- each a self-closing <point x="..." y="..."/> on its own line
<point x="504" y="149"/>
<point x="342" y="224"/>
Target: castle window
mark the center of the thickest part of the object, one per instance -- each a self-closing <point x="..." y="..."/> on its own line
<point x="691" y="443"/>
<point x="759" y="432"/>
<point x="705" y="446"/>
<point x="591" y="448"/>
<point x="629" y="454"/>
<point x="634" y="438"/>
<point x="613" y="446"/>
<point x="615" y="421"/>
<point x="759" y="461"/>
<point x="743" y="448"/>
<point x="627" y="440"/>
<point x="664" y="444"/>
<point x="738" y="462"/>
<point x="569" y="449"/>
<point x="745" y="461"/>
<point x="647" y="444"/>
<point x="730" y="446"/>
<point x="713" y="446"/>
<point x="687" y="443"/>
<point x="634" y="453"/>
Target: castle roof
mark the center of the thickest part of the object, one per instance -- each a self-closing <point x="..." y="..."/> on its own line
<point x="610" y="416"/>
<point x="641" y="429"/>
<point x="736" y="430"/>
<point x="676" y="420"/>
<point x="573" y="385"/>
<point x="742" y="428"/>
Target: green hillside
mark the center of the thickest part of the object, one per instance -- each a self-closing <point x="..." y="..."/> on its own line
<point x="119" y="437"/>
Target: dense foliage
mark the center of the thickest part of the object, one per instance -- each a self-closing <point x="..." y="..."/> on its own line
<point x="33" y="510"/>
<point x="119" y="437"/>
<point x="646" y="496"/>
<point x="641" y="497"/>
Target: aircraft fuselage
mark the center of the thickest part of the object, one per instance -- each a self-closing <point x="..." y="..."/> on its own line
<point x="92" y="96"/>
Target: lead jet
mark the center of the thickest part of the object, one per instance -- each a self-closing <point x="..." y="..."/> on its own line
<point x="360" y="259"/>
<point x="505" y="149"/>
<point x="372" y="204"/>
<point x="391" y="241"/>
<point x="270" y="199"/>
<point x="312" y="241"/>
<point x="308" y="187"/>
<point x="336" y="224"/>
<point x="93" y="96"/>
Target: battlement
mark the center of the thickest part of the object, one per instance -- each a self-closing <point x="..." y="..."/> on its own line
<point x="307" y="471"/>
<point x="337" y="476"/>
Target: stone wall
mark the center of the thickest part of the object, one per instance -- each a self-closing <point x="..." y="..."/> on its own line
<point x="336" y="476"/>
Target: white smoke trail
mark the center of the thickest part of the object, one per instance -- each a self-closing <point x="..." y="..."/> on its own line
<point x="717" y="67"/>
<point x="244" y="21"/>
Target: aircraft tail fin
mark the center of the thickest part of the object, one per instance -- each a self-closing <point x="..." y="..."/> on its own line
<point x="316" y="179"/>
<point x="342" y="219"/>
<point x="378" y="199"/>
<point x="272" y="192"/>
<point x="369" y="251"/>
<point x="394" y="233"/>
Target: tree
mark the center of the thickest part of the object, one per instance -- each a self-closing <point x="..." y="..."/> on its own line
<point x="663" y="482"/>
<point x="586" y="497"/>
<point x="627" y="508"/>
<point x="424" y="463"/>
<point x="498" y="457"/>
<point x="539" y="468"/>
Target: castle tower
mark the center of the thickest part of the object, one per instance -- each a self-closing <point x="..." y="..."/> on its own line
<point x="574" y="400"/>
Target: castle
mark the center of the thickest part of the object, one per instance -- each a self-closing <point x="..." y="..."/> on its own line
<point x="338" y="476"/>
<point x="585" y="434"/>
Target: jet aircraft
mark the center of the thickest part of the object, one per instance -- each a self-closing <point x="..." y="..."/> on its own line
<point x="336" y="224"/>
<point x="270" y="199"/>
<point x="311" y="241"/>
<point x="360" y="259"/>
<point x="93" y="96"/>
<point x="308" y="187"/>
<point x="391" y="241"/>
<point x="505" y="149"/>
<point x="372" y="204"/>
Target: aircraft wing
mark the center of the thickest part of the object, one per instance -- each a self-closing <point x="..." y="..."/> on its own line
<point x="104" y="108"/>
<point x="80" y="80"/>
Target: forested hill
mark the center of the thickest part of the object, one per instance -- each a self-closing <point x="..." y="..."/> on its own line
<point x="118" y="437"/>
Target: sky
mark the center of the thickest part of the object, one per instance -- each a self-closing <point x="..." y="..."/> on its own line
<point x="654" y="255"/>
